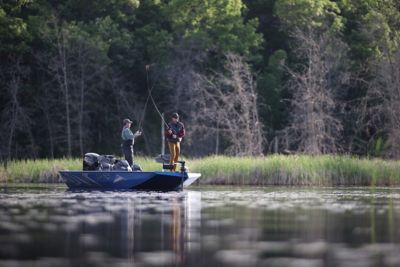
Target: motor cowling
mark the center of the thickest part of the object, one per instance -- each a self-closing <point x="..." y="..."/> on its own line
<point x="91" y="161"/>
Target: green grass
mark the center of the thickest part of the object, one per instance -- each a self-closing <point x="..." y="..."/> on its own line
<point x="45" y="170"/>
<point x="324" y="170"/>
<point x="270" y="170"/>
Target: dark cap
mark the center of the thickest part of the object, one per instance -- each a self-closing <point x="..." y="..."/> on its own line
<point x="175" y="115"/>
<point x="125" y="121"/>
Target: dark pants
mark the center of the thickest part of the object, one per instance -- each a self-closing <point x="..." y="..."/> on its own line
<point x="127" y="149"/>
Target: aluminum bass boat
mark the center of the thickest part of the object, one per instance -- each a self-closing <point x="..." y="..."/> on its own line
<point x="128" y="180"/>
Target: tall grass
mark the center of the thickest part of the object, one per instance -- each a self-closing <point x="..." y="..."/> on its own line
<point x="324" y="170"/>
<point x="45" y="170"/>
<point x="270" y="170"/>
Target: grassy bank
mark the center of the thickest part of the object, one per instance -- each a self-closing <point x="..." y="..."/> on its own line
<point x="298" y="170"/>
<point x="270" y="170"/>
<point x="46" y="170"/>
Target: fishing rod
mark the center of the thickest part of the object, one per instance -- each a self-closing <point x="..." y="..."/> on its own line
<point x="147" y="67"/>
<point x="147" y="100"/>
<point x="158" y="111"/>
<point x="150" y="97"/>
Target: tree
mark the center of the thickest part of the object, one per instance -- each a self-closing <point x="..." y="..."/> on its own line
<point x="270" y="86"/>
<point x="226" y="104"/>
<point x="322" y="14"/>
<point x="15" y="117"/>
<point x="314" y="125"/>
<point x="14" y="35"/>
<point x="371" y="120"/>
<point x="87" y="58"/>
<point x="384" y="103"/>
<point x="77" y="62"/>
<point x="382" y="100"/>
<point x="218" y="23"/>
<point x="204" y="32"/>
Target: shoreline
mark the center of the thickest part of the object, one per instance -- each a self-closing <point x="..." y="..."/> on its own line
<point x="280" y="170"/>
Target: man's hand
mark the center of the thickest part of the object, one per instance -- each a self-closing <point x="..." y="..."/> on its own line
<point x="169" y="131"/>
<point x="138" y="133"/>
<point x="174" y="136"/>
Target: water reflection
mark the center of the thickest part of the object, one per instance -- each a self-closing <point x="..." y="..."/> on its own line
<point x="208" y="227"/>
<point x="98" y="227"/>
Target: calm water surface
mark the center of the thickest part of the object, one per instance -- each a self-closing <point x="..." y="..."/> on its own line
<point x="201" y="227"/>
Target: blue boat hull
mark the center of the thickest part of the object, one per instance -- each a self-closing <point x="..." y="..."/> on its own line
<point x="123" y="180"/>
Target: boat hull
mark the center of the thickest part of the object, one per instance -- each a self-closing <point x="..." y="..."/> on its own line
<point x="123" y="180"/>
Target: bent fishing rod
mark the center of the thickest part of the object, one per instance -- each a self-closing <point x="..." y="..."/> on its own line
<point x="150" y="96"/>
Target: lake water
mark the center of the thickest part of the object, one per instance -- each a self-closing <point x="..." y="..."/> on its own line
<point x="217" y="226"/>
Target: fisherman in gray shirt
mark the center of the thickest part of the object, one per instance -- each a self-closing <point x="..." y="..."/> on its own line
<point x="128" y="139"/>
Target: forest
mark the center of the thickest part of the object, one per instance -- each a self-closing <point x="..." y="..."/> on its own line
<point x="248" y="77"/>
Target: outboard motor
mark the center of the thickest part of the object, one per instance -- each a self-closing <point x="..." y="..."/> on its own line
<point x="91" y="162"/>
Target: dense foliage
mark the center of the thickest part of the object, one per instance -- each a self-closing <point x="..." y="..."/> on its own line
<point x="71" y="70"/>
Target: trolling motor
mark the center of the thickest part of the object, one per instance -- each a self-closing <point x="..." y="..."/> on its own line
<point x="182" y="162"/>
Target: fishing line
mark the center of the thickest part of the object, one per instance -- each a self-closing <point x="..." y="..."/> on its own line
<point x="158" y="111"/>
<point x="148" y="96"/>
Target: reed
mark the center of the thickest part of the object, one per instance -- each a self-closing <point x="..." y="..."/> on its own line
<point x="46" y="170"/>
<point x="326" y="170"/>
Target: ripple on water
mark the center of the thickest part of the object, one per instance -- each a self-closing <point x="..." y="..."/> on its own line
<point x="292" y="262"/>
<point x="272" y="227"/>
<point x="291" y="200"/>
<point x="237" y="257"/>
<point x="89" y="240"/>
<point x="9" y="226"/>
<point x="157" y="258"/>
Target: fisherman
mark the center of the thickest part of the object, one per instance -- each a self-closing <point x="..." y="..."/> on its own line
<point x="128" y="139"/>
<point x="174" y="133"/>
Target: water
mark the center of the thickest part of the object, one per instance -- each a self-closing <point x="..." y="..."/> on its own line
<point x="203" y="227"/>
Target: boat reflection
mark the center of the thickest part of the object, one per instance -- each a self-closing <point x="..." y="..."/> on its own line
<point x="162" y="232"/>
<point x="276" y="227"/>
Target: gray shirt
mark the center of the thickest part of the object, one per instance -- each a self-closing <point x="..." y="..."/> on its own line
<point x="127" y="134"/>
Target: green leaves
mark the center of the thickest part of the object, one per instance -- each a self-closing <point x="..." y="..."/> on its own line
<point x="309" y="13"/>
<point x="383" y="26"/>
<point x="218" y="22"/>
<point x="13" y="28"/>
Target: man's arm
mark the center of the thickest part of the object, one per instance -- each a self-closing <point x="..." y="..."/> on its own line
<point x="138" y="133"/>
<point x="168" y="132"/>
<point x="182" y="131"/>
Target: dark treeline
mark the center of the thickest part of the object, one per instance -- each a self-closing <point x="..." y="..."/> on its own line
<point x="247" y="77"/>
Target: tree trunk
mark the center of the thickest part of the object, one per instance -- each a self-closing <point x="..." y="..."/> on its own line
<point x="51" y="137"/>
<point x="62" y="51"/>
<point x="81" y="107"/>
<point x="12" y="129"/>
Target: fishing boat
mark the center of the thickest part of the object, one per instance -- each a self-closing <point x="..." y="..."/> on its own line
<point x="126" y="179"/>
